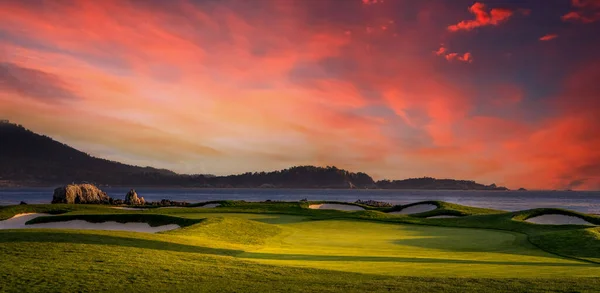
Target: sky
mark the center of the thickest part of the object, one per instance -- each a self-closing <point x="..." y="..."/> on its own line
<point x="504" y="92"/>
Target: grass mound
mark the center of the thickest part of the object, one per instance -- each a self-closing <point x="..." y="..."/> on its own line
<point x="445" y="209"/>
<point x="581" y="243"/>
<point x="231" y="230"/>
<point x="528" y="214"/>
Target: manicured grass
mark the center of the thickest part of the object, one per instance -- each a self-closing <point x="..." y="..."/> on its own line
<point x="35" y="261"/>
<point x="260" y="247"/>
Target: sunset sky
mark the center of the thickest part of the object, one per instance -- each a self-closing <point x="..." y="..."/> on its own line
<point x="504" y="92"/>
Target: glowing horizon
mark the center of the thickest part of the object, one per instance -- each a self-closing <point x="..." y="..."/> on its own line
<point x="492" y="91"/>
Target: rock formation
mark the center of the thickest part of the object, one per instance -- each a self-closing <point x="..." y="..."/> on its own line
<point x="80" y="193"/>
<point x="374" y="203"/>
<point x="168" y="203"/>
<point x="131" y="198"/>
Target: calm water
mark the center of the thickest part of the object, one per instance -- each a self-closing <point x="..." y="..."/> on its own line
<point x="587" y="202"/>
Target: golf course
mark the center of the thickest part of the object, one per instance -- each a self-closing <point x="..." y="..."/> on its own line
<point x="237" y="246"/>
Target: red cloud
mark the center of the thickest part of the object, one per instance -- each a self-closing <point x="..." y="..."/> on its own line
<point x="451" y="56"/>
<point x="585" y="3"/>
<point x="548" y="37"/>
<point x="581" y="17"/>
<point x="443" y="51"/>
<point x="466" y="57"/>
<point x="482" y="18"/>
<point x="588" y="11"/>
<point x="369" y="2"/>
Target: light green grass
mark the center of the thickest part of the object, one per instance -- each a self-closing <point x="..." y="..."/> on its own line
<point x="285" y="247"/>
<point x="410" y="250"/>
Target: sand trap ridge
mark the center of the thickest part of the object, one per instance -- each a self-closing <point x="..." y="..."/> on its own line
<point x="419" y="208"/>
<point x="335" y="206"/>
<point x="557" y="219"/>
<point x="18" y="222"/>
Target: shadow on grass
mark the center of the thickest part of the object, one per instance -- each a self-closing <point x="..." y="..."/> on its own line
<point x="305" y="257"/>
<point x="281" y="219"/>
<point x="98" y="239"/>
<point x="453" y="240"/>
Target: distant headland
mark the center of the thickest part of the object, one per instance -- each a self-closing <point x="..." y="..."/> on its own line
<point x="30" y="159"/>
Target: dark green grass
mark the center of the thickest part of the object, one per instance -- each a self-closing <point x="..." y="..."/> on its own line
<point x="527" y="214"/>
<point x="9" y="211"/>
<point x="153" y="220"/>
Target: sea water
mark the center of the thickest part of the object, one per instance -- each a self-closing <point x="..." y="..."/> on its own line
<point x="582" y="201"/>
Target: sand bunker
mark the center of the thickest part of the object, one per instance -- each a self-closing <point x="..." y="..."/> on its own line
<point x="442" y="217"/>
<point x="130" y="209"/>
<point x="419" y="208"/>
<point x="210" y="205"/>
<point x="557" y="219"/>
<point x="335" y="206"/>
<point x="18" y="222"/>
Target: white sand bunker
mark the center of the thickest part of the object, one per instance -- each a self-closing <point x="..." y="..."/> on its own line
<point x="130" y="209"/>
<point x="442" y="217"/>
<point x="557" y="219"/>
<point x="18" y="222"/>
<point x="419" y="208"/>
<point x="335" y="206"/>
<point x="210" y="205"/>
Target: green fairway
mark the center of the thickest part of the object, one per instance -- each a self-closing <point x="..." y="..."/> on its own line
<point x="285" y="247"/>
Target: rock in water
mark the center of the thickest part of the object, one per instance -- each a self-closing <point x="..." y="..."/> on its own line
<point x="80" y="193"/>
<point x="131" y="198"/>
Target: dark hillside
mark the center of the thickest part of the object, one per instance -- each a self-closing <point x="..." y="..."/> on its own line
<point x="30" y="159"/>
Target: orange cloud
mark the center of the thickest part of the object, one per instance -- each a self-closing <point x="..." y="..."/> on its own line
<point x="548" y="37"/>
<point x="482" y="18"/>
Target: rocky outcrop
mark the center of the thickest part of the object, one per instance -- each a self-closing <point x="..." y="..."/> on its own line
<point x="169" y="203"/>
<point x="80" y="193"/>
<point x="374" y="203"/>
<point x="131" y="198"/>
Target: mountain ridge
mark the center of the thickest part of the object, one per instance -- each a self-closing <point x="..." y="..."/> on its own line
<point x="31" y="159"/>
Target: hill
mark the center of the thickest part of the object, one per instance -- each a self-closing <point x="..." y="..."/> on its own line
<point x="30" y="159"/>
<point x="435" y="184"/>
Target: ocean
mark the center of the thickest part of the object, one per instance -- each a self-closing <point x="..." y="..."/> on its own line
<point x="581" y="201"/>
